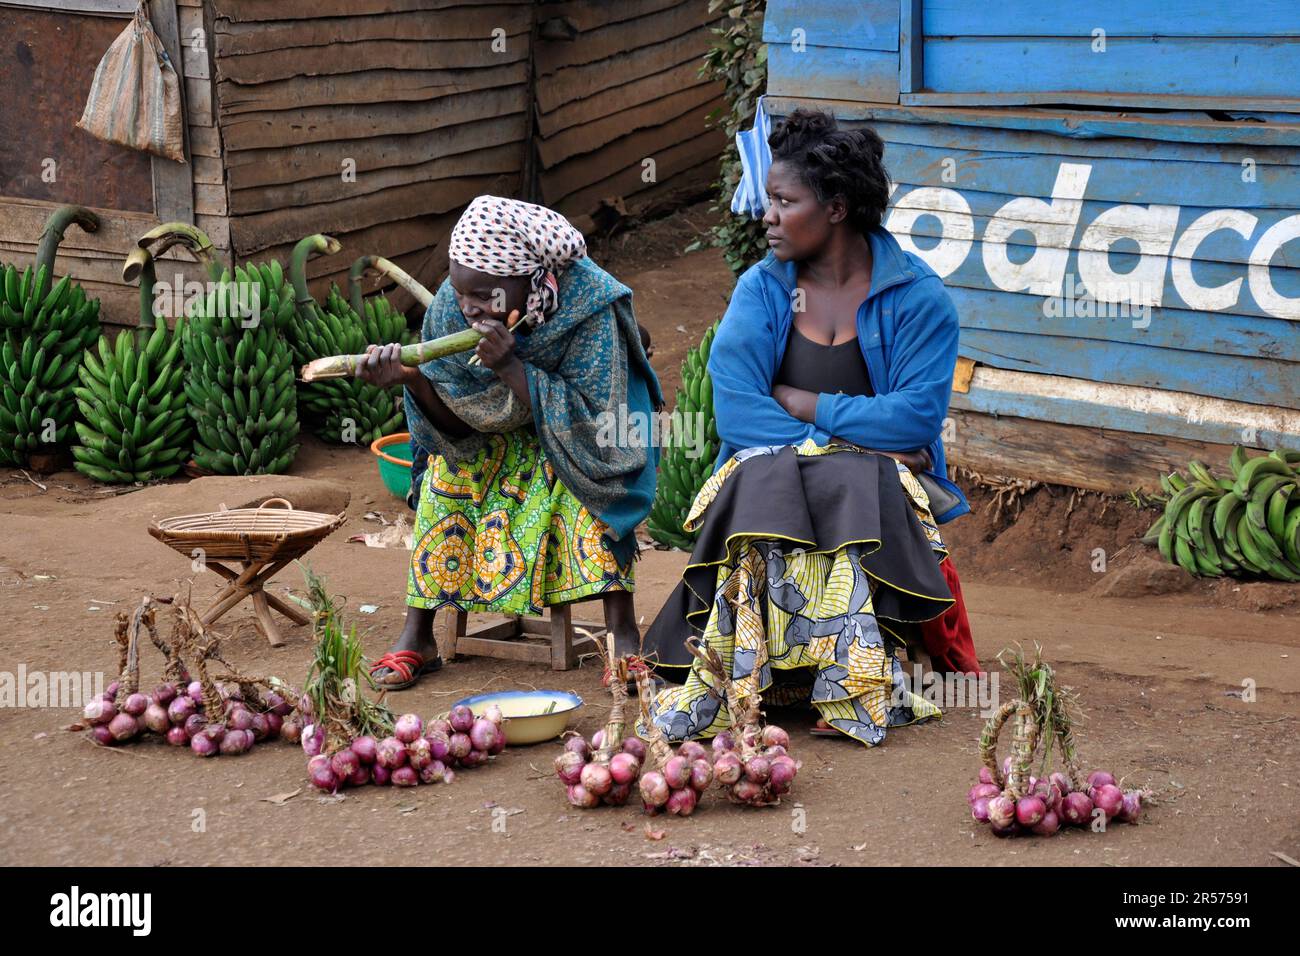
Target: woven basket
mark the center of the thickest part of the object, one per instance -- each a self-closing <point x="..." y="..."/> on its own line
<point x="247" y="534"/>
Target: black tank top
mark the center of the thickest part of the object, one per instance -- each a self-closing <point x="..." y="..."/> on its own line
<point x="815" y="367"/>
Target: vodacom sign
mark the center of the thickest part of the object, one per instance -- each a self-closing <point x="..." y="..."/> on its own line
<point x="1053" y="224"/>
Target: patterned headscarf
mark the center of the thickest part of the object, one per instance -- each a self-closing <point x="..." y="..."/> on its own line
<point x="507" y="237"/>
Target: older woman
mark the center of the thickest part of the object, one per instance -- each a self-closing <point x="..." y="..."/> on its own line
<point x="525" y="502"/>
<point x="819" y="534"/>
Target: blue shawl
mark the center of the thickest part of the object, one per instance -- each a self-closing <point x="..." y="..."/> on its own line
<point x="582" y="364"/>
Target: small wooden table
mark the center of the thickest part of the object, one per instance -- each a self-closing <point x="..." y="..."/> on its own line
<point x="510" y="639"/>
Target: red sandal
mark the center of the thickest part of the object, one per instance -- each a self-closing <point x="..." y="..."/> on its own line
<point x="635" y="665"/>
<point x="410" y="666"/>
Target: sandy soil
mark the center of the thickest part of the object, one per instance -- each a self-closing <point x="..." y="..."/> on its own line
<point x="1160" y="667"/>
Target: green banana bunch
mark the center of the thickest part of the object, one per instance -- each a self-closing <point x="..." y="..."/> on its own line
<point x="134" y="423"/>
<point x="240" y="373"/>
<point x="47" y="327"/>
<point x="343" y="327"/>
<point x="680" y="475"/>
<point x="1246" y="525"/>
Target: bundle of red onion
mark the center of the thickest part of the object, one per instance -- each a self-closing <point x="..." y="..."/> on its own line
<point x="1009" y="798"/>
<point x="604" y="770"/>
<point x="676" y="781"/>
<point x="413" y="754"/>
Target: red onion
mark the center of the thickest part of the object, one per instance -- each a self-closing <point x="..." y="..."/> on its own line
<point x="418" y="753"/>
<point x="101" y="735"/>
<point x="439" y="748"/>
<point x="1100" y="778"/>
<point x="260" y="727"/>
<point x="783" y="773"/>
<point x="1061" y="782"/>
<point x="618" y="794"/>
<point x="493" y="713"/>
<point x="155" y="718"/>
<point x="1002" y="811"/>
<point x="728" y="768"/>
<point x="278" y="705"/>
<point x="747" y="791"/>
<point x="985" y="790"/>
<point x="598" y="739"/>
<point x="724" y="741"/>
<point x="239" y="719"/>
<point x="1030" y="810"/>
<point x="1076" y="809"/>
<point x="475" y="758"/>
<point x="405" y="777"/>
<point x="596" y="778"/>
<point x="195" y="690"/>
<point x="135" y="704"/>
<point x="1131" y="807"/>
<point x="313" y="739"/>
<point x="979" y="810"/>
<point x="180" y="710"/>
<point x="681" y="803"/>
<point x="291" y="731"/>
<point x="390" y="753"/>
<point x="439" y="726"/>
<point x="774" y="736"/>
<point x="568" y="766"/>
<point x="459" y="745"/>
<point x="214" y="732"/>
<point x="579" y="746"/>
<point x="320" y="774"/>
<point x="986" y="775"/>
<point x="194" y="725"/>
<point x="435" y="771"/>
<point x="364" y="747"/>
<point x="461" y="719"/>
<point x="1010" y="830"/>
<point x="163" y="694"/>
<point x="408" y="727"/>
<point x="177" y="737"/>
<point x="623" y="767"/>
<point x="1048" y="825"/>
<point x="380" y="776"/>
<point x="449" y="776"/>
<point x="1109" y="798"/>
<point x="580" y="796"/>
<point x="203" y="745"/>
<point x="123" y="727"/>
<point x="99" y="712"/>
<point x="112" y="689"/>
<point x="654" y="788"/>
<point x="483" y="734"/>
<point x="692" y="750"/>
<point x="677" y="771"/>
<point x="498" y="740"/>
<point x="360" y="777"/>
<point x="701" y="774"/>
<point x="775" y="751"/>
<point x="273" y="724"/>
<point x="636" y="747"/>
<point x="236" y="742"/>
<point x="758" y="768"/>
<point x="344" y="763"/>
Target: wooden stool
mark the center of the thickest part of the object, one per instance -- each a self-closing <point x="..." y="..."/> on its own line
<point x="524" y="638"/>
<point x="262" y="540"/>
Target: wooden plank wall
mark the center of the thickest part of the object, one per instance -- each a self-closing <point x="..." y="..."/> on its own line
<point x="426" y="101"/>
<point x="617" y="85"/>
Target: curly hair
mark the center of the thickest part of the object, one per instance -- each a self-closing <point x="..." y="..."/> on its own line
<point x="836" y="162"/>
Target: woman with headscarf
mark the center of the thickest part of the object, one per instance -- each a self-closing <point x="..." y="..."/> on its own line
<point x="819" y="548"/>
<point x="530" y="498"/>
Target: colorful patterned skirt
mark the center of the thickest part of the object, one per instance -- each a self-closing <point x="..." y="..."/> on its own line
<point x="812" y="565"/>
<point x="501" y="533"/>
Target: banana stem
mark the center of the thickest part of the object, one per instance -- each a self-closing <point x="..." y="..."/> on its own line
<point x="319" y="244"/>
<point x="345" y="366"/>
<point x="162" y="237"/>
<point x="355" y="296"/>
<point x="140" y="263"/>
<point x="55" y="227"/>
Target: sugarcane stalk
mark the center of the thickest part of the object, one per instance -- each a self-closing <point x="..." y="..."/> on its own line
<point x="52" y="235"/>
<point x="345" y="366"/>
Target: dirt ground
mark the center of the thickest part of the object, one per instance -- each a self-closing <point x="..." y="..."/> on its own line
<point x="1160" y="662"/>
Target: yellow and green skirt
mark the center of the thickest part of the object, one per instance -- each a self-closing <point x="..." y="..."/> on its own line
<point x="502" y="533"/>
<point x="811" y="567"/>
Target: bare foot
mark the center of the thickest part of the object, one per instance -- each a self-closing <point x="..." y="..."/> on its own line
<point x="620" y="619"/>
<point x="417" y="636"/>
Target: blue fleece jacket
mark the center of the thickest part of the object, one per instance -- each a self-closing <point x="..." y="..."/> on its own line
<point x="907" y="330"/>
